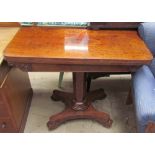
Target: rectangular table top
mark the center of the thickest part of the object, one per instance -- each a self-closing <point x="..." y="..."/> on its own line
<point x="77" y="46"/>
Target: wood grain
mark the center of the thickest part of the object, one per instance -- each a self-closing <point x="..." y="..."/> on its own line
<point x="77" y="46"/>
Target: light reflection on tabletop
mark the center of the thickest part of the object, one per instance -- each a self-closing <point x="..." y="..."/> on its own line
<point x="76" y="42"/>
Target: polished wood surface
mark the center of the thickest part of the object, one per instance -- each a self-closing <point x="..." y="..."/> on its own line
<point x="77" y="46"/>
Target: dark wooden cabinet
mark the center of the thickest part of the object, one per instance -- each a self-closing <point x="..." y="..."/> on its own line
<point x="15" y="98"/>
<point x="113" y="25"/>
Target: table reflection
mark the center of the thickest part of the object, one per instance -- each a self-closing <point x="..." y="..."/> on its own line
<point x="76" y="41"/>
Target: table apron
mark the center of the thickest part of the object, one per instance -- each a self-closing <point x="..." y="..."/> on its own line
<point x="74" y="68"/>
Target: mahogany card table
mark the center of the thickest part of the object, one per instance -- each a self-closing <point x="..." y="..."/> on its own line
<point x="42" y="49"/>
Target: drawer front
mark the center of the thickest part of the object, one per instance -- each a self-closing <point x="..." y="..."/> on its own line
<point x="6" y="126"/>
<point x="3" y="111"/>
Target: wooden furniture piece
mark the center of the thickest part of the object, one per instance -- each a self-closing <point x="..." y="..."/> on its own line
<point x="78" y="51"/>
<point x="113" y="25"/>
<point x="9" y="24"/>
<point x="15" y="98"/>
<point x="14" y="85"/>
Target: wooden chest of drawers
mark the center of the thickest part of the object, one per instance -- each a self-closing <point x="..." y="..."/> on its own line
<point x="15" y="99"/>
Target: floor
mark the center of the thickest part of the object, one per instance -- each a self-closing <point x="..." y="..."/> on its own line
<point x="116" y="88"/>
